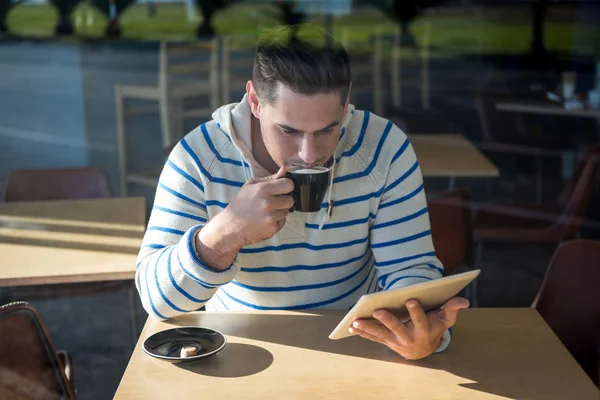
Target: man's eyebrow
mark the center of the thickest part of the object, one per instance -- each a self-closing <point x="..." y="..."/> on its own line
<point x="291" y="129"/>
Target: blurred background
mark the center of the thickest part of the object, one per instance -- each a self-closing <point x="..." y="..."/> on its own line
<point x="114" y="84"/>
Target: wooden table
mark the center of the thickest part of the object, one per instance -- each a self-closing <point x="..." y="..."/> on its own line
<point x="495" y="354"/>
<point x="451" y="156"/>
<point x="70" y="241"/>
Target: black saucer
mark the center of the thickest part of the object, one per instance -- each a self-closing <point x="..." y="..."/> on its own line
<point x="166" y="345"/>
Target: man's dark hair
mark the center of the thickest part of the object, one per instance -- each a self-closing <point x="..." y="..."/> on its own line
<point x="306" y="64"/>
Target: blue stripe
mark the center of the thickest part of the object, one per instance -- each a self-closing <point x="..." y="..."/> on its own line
<point x="190" y="246"/>
<point x="174" y="283"/>
<point x="164" y="229"/>
<point x="155" y="246"/>
<point x="173" y="306"/>
<point x="304" y="246"/>
<point x="357" y="199"/>
<point x="363" y="130"/>
<point x="179" y="213"/>
<point x="403" y="259"/>
<point x="216" y="203"/>
<point x="305" y="267"/>
<point x="221" y="300"/>
<point x="401" y="150"/>
<point x="342" y="134"/>
<point x="301" y="306"/>
<point x="403" y="177"/>
<point x="224" y="160"/>
<point x="189" y="150"/>
<point x="302" y="287"/>
<point x="370" y="283"/>
<point x="341" y="224"/>
<point x="195" y="278"/>
<point x="148" y="291"/>
<point x="368" y="170"/>
<point x="181" y="196"/>
<point x="440" y="270"/>
<point x="405" y="277"/>
<point x="400" y="220"/>
<point x="402" y="199"/>
<point x="186" y="175"/>
<point x="402" y="240"/>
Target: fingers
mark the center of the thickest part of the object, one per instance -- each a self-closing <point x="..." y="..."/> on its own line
<point x="366" y="335"/>
<point x="279" y="174"/>
<point x="418" y="316"/>
<point x="373" y="328"/>
<point x="390" y="321"/>
<point x="278" y="186"/>
<point x="280" y="215"/>
<point x="282" y="202"/>
<point x="450" y="310"/>
<point x="281" y="224"/>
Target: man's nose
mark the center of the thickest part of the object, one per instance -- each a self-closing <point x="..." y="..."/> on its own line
<point x="308" y="150"/>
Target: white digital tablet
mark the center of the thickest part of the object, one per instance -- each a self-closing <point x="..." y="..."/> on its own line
<point x="430" y="294"/>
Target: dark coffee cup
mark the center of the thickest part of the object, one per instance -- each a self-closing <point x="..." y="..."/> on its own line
<point x="310" y="186"/>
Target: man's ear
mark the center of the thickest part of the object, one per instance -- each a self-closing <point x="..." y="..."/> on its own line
<point x="253" y="100"/>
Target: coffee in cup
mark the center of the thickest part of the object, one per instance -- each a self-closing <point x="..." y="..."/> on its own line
<point x="310" y="186"/>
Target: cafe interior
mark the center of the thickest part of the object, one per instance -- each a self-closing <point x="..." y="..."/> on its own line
<point x="500" y="101"/>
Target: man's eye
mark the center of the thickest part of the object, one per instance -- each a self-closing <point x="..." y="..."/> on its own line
<point x="328" y="130"/>
<point x="288" y="131"/>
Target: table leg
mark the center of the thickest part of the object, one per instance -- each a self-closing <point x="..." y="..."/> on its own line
<point x="133" y="313"/>
<point x="5" y="295"/>
<point x="452" y="182"/>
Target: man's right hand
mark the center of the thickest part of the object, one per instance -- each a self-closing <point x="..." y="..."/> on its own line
<point x="256" y="213"/>
<point x="260" y="208"/>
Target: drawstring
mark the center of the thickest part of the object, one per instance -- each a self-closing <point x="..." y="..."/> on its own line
<point x="329" y="211"/>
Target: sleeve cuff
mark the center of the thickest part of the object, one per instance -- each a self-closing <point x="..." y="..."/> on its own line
<point x="186" y="251"/>
<point x="445" y="342"/>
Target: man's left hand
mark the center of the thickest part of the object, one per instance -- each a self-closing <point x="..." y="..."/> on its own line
<point x="415" y="339"/>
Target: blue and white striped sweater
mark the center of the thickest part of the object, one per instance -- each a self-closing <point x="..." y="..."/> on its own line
<point x="378" y="237"/>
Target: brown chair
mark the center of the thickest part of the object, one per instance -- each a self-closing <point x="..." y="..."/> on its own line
<point x="57" y="184"/>
<point x="569" y="301"/>
<point x="536" y="224"/>
<point x="451" y="229"/>
<point x="30" y="367"/>
<point x="506" y="133"/>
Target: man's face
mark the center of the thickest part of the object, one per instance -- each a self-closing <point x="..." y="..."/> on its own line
<point x="301" y="131"/>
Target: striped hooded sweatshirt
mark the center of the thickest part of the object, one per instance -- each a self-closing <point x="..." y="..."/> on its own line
<point x="378" y="236"/>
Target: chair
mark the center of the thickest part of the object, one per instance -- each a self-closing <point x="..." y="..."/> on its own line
<point x="179" y="79"/>
<point x="537" y="224"/>
<point x="451" y="229"/>
<point x="367" y="69"/>
<point x="506" y="133"/>
<point x="569" y="301"/>
<point x="30" y="367"/>
<point x="238" y="61"/>
<point x="422" y="81"/>
<point x="57" y="184"/>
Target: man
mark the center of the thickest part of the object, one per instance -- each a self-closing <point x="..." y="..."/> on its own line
<point x="221" y="233"/>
